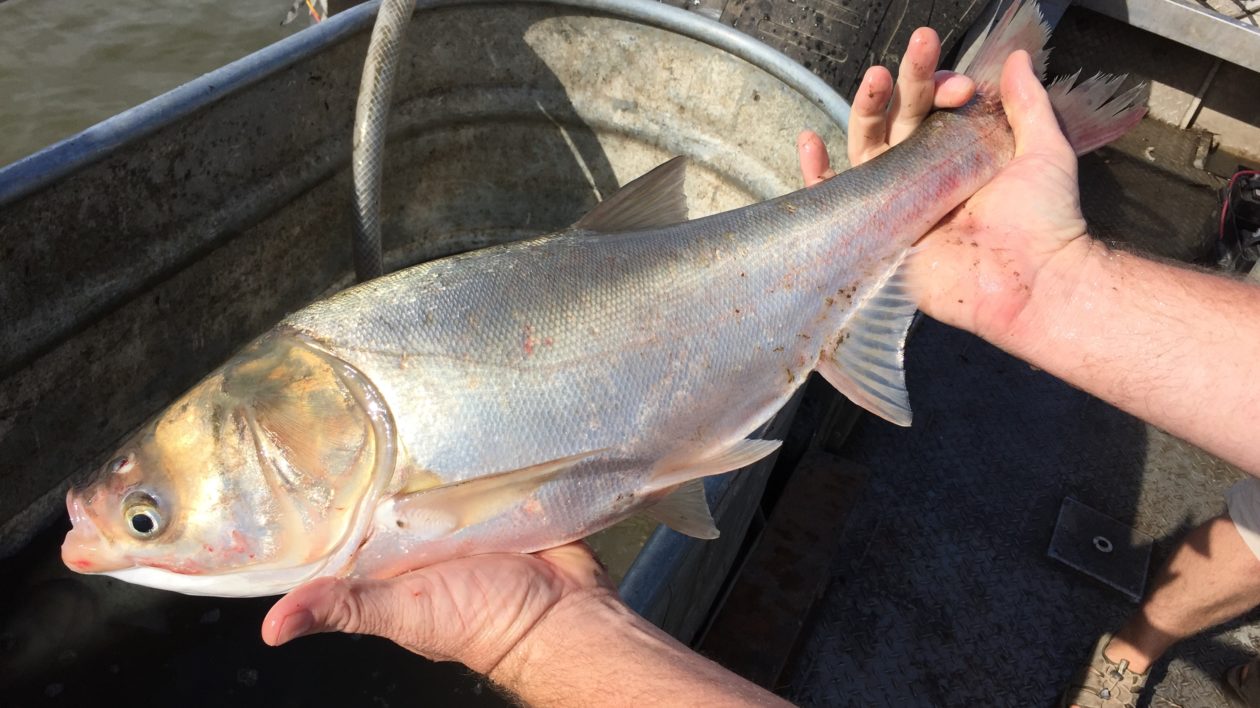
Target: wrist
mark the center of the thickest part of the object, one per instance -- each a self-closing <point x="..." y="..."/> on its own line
<point x="1038" y="317"/>
<point x="592" y="650"/>
<point x="572" y="626"/>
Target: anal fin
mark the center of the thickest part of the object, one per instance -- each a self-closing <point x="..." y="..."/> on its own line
<point x="868" y="364"/>
<point x="686" y="511"/>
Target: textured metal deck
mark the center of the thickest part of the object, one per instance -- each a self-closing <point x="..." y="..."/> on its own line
<point x="942" y="593"/>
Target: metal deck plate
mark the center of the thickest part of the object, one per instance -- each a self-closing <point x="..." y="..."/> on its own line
<point x="1101" y="547"/>
<point x="941" y="593"/>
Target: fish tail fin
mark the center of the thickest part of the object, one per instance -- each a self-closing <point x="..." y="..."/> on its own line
<point x="1020" y="27"/>
<point x="1091" y="113"/>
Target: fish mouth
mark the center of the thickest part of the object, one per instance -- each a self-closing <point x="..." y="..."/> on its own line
<point x="85" y="549"/>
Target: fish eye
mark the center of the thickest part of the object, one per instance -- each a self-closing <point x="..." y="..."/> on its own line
<point x="119" y="465"/>
<point x="141" y="513"/>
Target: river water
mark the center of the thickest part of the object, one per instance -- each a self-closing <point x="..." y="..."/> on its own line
<point x="68" y="64"/>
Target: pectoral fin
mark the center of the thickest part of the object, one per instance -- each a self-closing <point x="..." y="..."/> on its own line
<point x="686" y="511"/>
<point x="868" y="364"/>
<point x="439" y="511"/>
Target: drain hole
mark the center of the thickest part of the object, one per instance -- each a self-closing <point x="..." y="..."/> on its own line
<point x="1103" y="544"/>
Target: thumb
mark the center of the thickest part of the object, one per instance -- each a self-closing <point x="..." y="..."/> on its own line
<point x="1031" y="115"/>
<point x="351" y="606"/>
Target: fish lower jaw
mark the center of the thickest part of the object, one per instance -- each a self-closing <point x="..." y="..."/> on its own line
<point x="248" y="583"/>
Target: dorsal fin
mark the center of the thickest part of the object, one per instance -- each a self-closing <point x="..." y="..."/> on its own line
<point x="655" y="199"/>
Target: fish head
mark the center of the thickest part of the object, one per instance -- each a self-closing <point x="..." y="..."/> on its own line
<point x="260" y="477"/>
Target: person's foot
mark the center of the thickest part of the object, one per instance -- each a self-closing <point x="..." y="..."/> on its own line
<point x="1104" y="683"/>
<point x="1121" y="649"/>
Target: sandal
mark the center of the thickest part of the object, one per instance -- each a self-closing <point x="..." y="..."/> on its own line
<point x="1244" y="692"/>
<point x="1103" y="683"/>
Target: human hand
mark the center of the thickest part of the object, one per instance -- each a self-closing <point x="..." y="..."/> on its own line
<point x="979" y="267"/>
<point x="884" y="114"/>
<point x="474" y="610"/>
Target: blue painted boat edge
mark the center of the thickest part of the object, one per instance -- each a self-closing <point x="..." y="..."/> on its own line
<point x="653" y="569"/>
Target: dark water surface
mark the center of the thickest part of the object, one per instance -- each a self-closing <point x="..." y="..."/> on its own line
<point x="66" y="65"/>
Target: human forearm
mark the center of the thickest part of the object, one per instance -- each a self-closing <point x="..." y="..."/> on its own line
<point x="1173" y="346"/>
<point x="598" y="652"/>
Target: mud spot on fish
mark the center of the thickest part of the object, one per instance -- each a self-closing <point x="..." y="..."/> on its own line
<point x="400" y="523"/>
<point x="778" y="349"/>
<point x="791" y="377"/>
<point x="789" y="207"/>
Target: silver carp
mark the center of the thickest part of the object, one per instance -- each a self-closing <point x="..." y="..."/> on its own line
<point x="522" y="396"/>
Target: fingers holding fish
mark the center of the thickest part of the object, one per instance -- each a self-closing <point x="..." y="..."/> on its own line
<point x="815" y="162"/>
<point x="981" y="264"/>
<point x="868" y="119"/>
<point x="916" y="85"/>
<point x="1031" y="115"/>
<point x="884" y="114"/>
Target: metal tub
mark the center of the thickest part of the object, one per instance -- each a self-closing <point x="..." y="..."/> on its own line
<point x="138" y="255"/>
